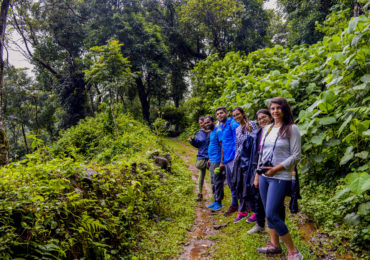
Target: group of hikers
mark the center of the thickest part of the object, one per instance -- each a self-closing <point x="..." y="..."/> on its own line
<point x="258" y="162"/>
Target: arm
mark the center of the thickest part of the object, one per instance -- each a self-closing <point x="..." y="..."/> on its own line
<point x="295" y="149"/>
<point x="256" y="180"/>
<point x="196" y="142"/>
<point x="222" y="165"/>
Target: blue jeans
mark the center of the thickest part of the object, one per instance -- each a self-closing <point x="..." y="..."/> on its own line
<point x="273" y="192"/>
<point x="234" y="192"/>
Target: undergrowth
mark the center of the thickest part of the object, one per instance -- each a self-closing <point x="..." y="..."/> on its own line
<point x="94" y="196"/>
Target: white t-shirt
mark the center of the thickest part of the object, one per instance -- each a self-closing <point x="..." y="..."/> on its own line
<point x="287" y="151"/>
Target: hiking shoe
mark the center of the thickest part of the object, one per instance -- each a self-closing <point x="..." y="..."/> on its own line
<point x="255" y="229"/>
<point x="295" y="256"/>
<point x="240" y="216"/>
<point x="212" y="205"/>
<point x="231" y="210"/>
<point x="252" y="218"/>
<point x="200" y="197"/>
<point x="270" y="249"/>
<point x="218" y="206"/>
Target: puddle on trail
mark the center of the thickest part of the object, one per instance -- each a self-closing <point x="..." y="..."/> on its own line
<point x="200" y="243"/>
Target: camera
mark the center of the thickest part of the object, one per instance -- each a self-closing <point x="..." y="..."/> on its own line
<point x="260" y="170"/>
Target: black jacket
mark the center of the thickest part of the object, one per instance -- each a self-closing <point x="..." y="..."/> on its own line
<point x="249" y="159"/>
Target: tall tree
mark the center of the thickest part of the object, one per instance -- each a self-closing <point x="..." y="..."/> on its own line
<point x="110" y="70"/>
<point x="4" y="145"/>
<point x="302" y="16"/>
<point x="55" y="31"/>
<point x="143" y="42"/>
<point x="213" y="22"/>
<point x="252" y="33"/>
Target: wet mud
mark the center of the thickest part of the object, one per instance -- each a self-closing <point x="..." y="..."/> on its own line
<point x="200" y="242"/>
<point x="321" y="244"/>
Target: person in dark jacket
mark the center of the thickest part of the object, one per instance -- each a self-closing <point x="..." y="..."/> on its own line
<point x="238" y="176"/>
<point x="263" y="118"/>
<point x="201" y="141"/>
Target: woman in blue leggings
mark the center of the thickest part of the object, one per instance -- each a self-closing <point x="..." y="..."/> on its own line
<point x="280" y="152"/>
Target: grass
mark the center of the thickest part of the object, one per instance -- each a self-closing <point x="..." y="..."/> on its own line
<point x="233" y="241"/>
<point x="165" y="237"/>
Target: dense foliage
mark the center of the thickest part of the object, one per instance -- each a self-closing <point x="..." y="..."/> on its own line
<point x="327" y="85"/>
<point x="87" y="198"/>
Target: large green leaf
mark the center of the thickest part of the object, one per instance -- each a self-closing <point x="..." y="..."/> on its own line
<point x="352" y="24"/>
<point x="364" y="209"/>
<point x="352" y="219"/>
<point x="365" y="78"/>
<point x="348" y="155"/>
<point x="345" y="123"/>
<point x="318" y="139"/>
<point x="366" y="133"/>
<point x="363" y="155"/>
<point x="341" y="193"/>
<point x="360" y="184"/>
<point x="327" y="120"/>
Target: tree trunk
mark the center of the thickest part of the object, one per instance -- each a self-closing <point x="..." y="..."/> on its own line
<point x="36" y="118"/>
<point x="91" y="99"/>
<point x="145" y="106"/>
<point x="113" y="114"/>
<point x="25" y="139"/>
<point x="4" y="144"/>
<point x="123" y="102"/>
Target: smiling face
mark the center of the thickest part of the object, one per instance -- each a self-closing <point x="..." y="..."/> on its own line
<point x="238" y="116"/>
<point x="221" y="115"/>
<point x="201" y="123"/>
<point x="263" y="120"/>
<point x="208" y="124"/>
<point x="276" y="112"/>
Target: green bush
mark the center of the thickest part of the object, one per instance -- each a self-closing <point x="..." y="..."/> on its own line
<point x="93" y="139"/>
<point x="55" y="206"/>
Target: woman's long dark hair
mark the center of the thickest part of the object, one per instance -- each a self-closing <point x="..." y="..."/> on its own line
<point x="288" y="121"/>
<point x="265" y="112"/>
<point x="241" y="110"/>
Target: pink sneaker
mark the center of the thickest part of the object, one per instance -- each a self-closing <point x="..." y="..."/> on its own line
<point x="252" y="218"/>
<point x="295" y="256"/>
<point x="240" y="216"/>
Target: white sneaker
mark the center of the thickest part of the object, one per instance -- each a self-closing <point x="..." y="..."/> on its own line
<point x="296" y="256"/>
<point x="255" y="229"/>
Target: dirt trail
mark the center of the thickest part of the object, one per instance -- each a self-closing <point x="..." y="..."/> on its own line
<point x="199" y="245"/>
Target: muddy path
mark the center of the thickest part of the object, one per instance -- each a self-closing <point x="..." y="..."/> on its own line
<point x="200" y="244"/>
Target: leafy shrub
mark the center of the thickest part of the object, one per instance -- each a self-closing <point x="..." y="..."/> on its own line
<point x="93" y="139"/>
<point x="60" y="207"/>
<point x="64" y="209"/>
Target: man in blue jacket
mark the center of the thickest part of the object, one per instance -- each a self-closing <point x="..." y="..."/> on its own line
<point x="201" y="141"/>
<point x="228" y="126"/>
<point x="214" y="154"/>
